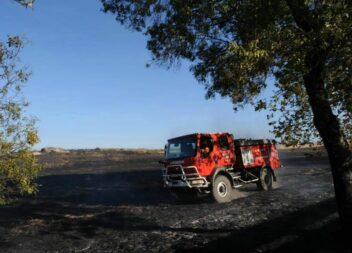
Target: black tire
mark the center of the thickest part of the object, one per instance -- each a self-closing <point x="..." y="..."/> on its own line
<point x="265" y="179"/>
<point x="222" y="189"/>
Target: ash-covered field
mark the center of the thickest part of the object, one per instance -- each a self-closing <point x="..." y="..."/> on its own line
<point x="113" y="201"/>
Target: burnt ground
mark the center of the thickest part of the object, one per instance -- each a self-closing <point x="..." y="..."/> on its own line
<point x="112" y="201"/>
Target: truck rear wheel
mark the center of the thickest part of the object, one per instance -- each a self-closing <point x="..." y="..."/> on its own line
<point x="265" y="179"/>
<point x="222" y="189"/>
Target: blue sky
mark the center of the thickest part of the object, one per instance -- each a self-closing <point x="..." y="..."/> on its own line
<point x="90" y="87"/>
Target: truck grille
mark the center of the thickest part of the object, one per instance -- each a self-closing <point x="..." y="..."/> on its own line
<point x="174" y="170"/>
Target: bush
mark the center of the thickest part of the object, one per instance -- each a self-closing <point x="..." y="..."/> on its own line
<point x="18" y="166"/>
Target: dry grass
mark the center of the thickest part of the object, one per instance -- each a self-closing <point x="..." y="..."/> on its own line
<point x="98" y="157"/>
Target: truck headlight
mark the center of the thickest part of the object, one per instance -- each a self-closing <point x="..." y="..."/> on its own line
<point x="198" y="181"/>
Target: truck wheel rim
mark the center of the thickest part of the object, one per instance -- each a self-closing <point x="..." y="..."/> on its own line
<point x="222" y="189"/>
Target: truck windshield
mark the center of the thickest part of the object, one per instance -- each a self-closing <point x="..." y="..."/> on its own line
<point x="181" y="148"/>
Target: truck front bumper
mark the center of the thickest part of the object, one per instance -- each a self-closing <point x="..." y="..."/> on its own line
<point x="178" y="178"/>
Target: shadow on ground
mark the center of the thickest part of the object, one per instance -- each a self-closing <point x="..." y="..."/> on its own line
<point x="315" y="228"/>
<point x="113" y="188"/>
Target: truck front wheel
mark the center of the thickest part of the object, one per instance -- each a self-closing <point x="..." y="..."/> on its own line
<point x="265" y="179"/>
<point x="222" y="189"/>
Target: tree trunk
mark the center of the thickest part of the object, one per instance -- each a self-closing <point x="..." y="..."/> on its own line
<point x="325" y="121"/>
<point x="328" y="126"/>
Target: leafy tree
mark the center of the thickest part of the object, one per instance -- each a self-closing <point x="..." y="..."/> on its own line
<point x="26" y="3"/>
<point x="18" y="166"/>
<point x="234" y="48"/>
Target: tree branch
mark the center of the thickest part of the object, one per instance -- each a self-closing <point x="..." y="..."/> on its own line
<point x="302" y="15"/>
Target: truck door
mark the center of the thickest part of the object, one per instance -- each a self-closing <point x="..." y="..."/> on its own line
<point x="225" y="151"/>
<point x="206" y="146"/>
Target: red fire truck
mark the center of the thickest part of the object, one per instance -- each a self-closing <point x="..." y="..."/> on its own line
<point x="218" y="163"/>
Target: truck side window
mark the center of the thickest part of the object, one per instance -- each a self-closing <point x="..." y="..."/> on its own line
<point x="223" y="142"/>
<point x="206" y="145"/>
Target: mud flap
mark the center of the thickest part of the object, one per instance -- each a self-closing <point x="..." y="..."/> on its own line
<point x="273" y="173"/>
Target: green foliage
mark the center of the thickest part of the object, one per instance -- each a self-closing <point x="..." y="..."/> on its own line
<point x="26" y="3"/>
<point x="235" y="46"/>
<point x="18" y="165"/>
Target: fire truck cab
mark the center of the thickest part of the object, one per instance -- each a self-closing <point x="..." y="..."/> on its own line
<point x="218" y="163"/>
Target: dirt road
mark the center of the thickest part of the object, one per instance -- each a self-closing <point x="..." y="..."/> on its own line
<point x="112" y="201"/>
